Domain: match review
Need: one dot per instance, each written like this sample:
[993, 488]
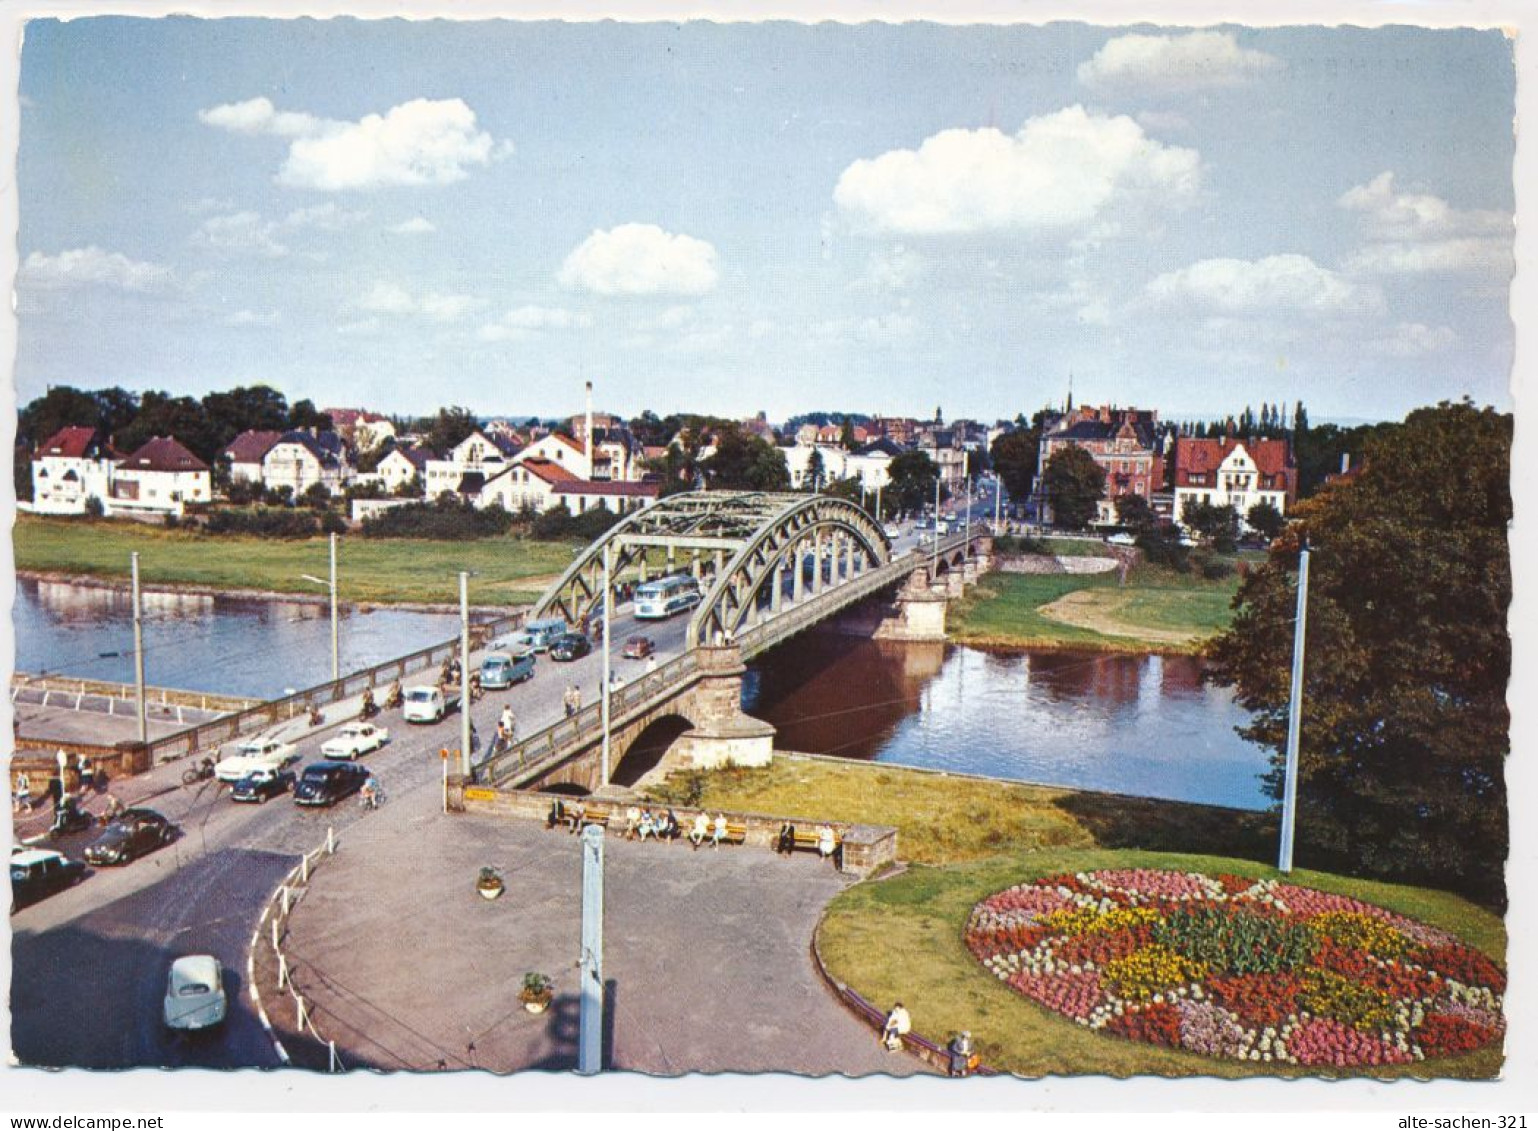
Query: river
[1136, 724]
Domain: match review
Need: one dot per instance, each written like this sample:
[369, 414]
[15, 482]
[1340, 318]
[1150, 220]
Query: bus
[660, 599]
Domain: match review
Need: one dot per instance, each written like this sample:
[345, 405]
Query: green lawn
[1157, 610]
[900, 939]
[508, 570]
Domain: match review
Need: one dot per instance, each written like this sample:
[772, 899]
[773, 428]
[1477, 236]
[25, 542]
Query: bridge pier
[920, 611]
[722, 735]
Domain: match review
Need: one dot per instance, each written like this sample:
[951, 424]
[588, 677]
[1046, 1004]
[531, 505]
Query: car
[1122, 540]
[892, 530]
[503, 669]
[538, 635]
[37, 873]
[572, 646]
[259, 785]
[355, 739]
[194, 993]
[426, 704]
[326, 783]
[638, 648]
[258, 754]
[131, 834]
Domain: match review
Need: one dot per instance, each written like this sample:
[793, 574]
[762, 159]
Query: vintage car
[638, 648]
[259, 785]
[503, 669]
[355, 739]
[194, 993]
[258, 754]
[133, 833]
[37, 873]
[326, 783]
[572, 646]
[424, 704]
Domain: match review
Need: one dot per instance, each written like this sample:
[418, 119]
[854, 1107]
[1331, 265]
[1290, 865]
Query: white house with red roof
[562, 450]
[159, 478]
[360, 428]
[582, 495]
[300, 459]
[1233, 472]
[246, 452]
[401, 465]
[70, 467]
[469, 464]
[531, 482]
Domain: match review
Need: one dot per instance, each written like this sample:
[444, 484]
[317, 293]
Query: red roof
[610, 487]
[569, 442]
[163, 453]
[251, 446]
[71, 443]
[1272, 457]
[548, 470]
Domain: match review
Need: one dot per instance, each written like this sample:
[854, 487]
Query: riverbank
[394, 572]
[1156, 610]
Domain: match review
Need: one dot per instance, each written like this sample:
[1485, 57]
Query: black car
[131, 835]
[37, 873]
[326, 783]
[259, 785]
[572, 646]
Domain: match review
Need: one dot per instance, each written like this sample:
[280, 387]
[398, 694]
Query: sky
[778, 217]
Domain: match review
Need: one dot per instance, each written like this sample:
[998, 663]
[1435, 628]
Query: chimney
[589, 434]
[1345, 462]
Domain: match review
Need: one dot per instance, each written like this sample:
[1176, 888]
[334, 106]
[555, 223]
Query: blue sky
[731, 218]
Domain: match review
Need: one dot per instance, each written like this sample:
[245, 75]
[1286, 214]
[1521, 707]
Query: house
[868, 465]
[1233, 472]
[159, 478]
[620, 498]
[402, 465]
[71, 467]
[363, 430]
[563, 451]
[529, 483]
[1125, 442]
[299, 460]
[246, 452]
[477, 454]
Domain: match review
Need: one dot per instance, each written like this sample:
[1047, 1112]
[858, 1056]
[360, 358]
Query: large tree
[744, 462]
[911, 485]
[1405, 725]
[1014, 458]
[1074, 483]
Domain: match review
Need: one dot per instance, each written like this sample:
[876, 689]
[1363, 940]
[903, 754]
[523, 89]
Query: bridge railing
[550, 744]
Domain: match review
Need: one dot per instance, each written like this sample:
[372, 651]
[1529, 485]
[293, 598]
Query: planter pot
[490, 892]
[536, 1006]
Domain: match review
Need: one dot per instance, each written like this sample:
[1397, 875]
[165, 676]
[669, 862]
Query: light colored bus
[660, 599]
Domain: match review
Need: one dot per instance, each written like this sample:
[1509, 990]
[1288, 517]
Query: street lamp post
[144, 735]
[608, 598]
[1294, 716]
[934, 546]
[336, 651]
[464, 672]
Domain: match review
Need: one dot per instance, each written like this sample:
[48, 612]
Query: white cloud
[388, 298]
[327, 217]
[393, 299]
[525, 322]
[91, 266]
[1173, 64]
[640, 259]
[241, 233]
[1275, 284]
[421, 142]
[253, 318]
[416, 226]
[1415, 233]
[1165, 122]
[870, 330]
[207, 204]
[1060, 171]
[447, 308]
[1412, 339]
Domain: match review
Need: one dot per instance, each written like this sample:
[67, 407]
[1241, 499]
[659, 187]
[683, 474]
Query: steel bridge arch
[744, 535]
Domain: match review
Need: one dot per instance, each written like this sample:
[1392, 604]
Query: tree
[1264, 519]
[304, 414]
[815, 472]
[450, 428]
[912, 486]
[1133, 512]
[1074, 483]
[1217, 526]
[846, 435]
[744, 462]
[1014, 458]
[161, 414]
[238, 410]
[1405, 723]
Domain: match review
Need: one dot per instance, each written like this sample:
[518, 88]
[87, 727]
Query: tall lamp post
[144, 734]
[336, 651]
[608, 600]
[1294, 715]
[464, 672]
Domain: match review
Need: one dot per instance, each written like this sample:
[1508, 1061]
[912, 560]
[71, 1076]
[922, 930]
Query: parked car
[892, 530]
[1122, 540]
[326, 783]
[503, 669]
[259, 785]
[355, 739]
[638, 648]
[426, 704]
[572, 646]
[133, 833]
[37, 873]
[194, 993]
[258, 754]
[540, 634]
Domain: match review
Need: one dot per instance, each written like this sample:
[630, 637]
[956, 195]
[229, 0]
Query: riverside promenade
[707, 953]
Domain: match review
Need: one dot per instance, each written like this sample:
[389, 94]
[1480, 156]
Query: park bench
[808, 839]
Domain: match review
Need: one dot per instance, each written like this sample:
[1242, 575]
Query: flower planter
[537, 1006]
[489, 891]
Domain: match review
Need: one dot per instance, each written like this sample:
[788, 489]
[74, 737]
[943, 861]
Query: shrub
[94, 507]
[264, 523]
[447, 518]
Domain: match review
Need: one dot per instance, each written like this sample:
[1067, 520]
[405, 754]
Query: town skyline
[972, 216]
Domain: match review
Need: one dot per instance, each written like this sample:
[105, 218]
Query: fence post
[282, 971]
[303, 1015]
[275, 934]
[330, 840]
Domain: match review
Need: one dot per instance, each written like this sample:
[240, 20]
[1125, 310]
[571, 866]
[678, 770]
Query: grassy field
[901, 939]
[965, 838]
[1157, 610]
[396, 570]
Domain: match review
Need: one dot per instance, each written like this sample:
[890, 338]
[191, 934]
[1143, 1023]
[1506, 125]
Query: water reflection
[1144, 725]
[234, 645]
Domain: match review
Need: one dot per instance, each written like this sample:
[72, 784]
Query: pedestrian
[509, 723]
[826, 842]
[898, 1024]
[23, 801]
[786, 841]
[962, 1057]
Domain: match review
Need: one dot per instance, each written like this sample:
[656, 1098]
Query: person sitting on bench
[898, 1023]
[576, 815]
[648, 824]
[699, 830]
[718, 830]
[786, 841]
[826, 844]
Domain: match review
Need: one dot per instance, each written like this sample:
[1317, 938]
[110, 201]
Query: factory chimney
[588, 436]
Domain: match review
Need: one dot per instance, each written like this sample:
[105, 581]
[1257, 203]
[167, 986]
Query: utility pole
[590, 969]
[464, 672]
[934, 547]
[336, 651]
[608, 584]
[998, 498]
[144, 732]
[1294, 715]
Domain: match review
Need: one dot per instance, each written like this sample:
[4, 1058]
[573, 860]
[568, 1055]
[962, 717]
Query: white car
[355, 739]
[194, 993]
[1122, 540]
[428, 704]
[258, 754]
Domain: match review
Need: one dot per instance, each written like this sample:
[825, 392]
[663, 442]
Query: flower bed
[1239, 969]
